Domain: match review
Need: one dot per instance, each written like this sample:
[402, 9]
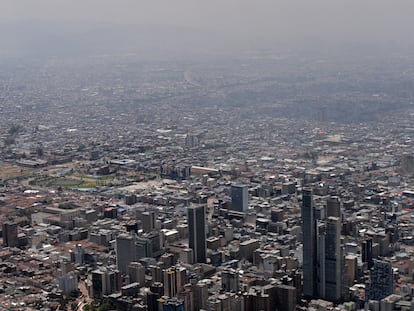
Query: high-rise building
[125, 251]
[366, 252]
[323, 261]
[173, 304]
[286, 297]
[381, 282]
[197, 232]
[155, 293]
[200, 295]
[191, 140]
[187, 256]
[136, 273]
[351, 262]
[320, 265]
[68, 282]
[333, 207]
[10, 234]
[181, 278]
[170, 282]
[148, 221]
[79, 254]
[130, 247]
[309, 244]
[98, 284]
[239, 198]
[247, 248]
[148, 245]
[174, 280]
[187, 295]
[230, 280]
[344, 271]
[105, 282]
[407, 164]
[156, 273]
[333, 260]
[254, 300]
[130, 199]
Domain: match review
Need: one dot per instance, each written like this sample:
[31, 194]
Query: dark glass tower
[333, 281]
[367, 252]
[10, 234]
[323, 261]
[309, 244]
[239, 198]
[333, 207]
[197, 232]
[382, 281]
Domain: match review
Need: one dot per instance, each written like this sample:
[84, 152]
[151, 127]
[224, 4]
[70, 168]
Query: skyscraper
[333, 280]
[239, 198]
[170, 282]
[79, 254]
[197, 232]
[309, 244]
[230, 280]
[125, 251]
[136, 272]
[320, 265]
[333, 207]
[10, 234]
[322, 255]
[130, 247]
[382, 281]
[366, 252]
[148, 221]
[200, 295]
[105, 282]
[174, 280]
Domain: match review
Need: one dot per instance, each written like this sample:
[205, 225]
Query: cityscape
[263, 179]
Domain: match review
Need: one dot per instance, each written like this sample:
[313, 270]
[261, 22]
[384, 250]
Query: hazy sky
[308, 22]
[297, 17]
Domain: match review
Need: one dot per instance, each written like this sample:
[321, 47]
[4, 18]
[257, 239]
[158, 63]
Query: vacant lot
[11, 171]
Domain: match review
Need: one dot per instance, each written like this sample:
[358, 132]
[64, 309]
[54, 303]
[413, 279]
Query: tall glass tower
[309, 244]
[239, 198]
[197, 232]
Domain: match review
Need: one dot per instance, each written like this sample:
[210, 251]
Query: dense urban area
[261, 181]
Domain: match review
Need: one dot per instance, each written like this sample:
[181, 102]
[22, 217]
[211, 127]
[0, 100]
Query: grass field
[72, 181]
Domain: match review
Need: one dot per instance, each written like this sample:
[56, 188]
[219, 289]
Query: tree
[105, 306]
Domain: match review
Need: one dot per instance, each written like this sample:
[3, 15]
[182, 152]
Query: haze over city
[212, 155]
[318, 25]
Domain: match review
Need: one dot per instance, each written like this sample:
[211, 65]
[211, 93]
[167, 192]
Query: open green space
[69, 182]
